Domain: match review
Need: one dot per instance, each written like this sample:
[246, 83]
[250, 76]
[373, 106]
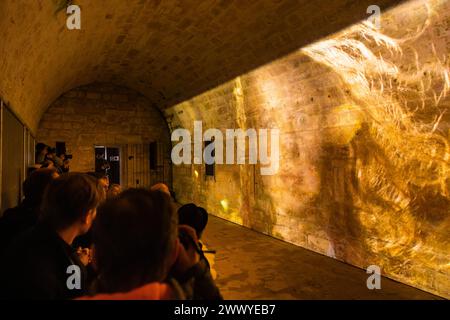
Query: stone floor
[251, 265]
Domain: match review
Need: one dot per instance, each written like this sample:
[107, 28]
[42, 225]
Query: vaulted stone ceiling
[168, 50]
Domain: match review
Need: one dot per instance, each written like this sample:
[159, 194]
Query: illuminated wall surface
[364, 169]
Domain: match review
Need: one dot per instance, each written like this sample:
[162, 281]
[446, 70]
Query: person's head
[114, 190]
[51, 153]
[70, 201]
[102, 178]
[66, 163]
[34, 186]
[135, 239]
[41, 148]
[58, 162]
[160, 187]
[193, 216]
[104, 182]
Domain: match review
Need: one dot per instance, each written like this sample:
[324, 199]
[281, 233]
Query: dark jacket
[198, 284]
[35, 266]
[15, 221]
[195, 284]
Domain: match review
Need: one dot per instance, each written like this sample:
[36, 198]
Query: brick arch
[110, 115]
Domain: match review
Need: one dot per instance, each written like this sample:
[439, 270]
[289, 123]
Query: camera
[187, 241]
[69, 156]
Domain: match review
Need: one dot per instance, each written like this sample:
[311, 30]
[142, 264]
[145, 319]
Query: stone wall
[102, 114]
[168, 50]
[364, 164]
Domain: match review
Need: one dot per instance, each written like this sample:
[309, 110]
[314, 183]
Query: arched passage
[115, 117]
[363, 113]
[167, 50]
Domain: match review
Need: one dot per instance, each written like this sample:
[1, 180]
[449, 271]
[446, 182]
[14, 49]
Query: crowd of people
[74, 236]
[48, 157]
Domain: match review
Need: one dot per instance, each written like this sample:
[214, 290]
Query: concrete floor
[251, 265]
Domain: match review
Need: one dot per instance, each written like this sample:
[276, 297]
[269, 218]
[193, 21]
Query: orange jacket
[151, 291]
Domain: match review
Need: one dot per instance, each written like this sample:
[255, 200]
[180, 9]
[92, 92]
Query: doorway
[107, 161]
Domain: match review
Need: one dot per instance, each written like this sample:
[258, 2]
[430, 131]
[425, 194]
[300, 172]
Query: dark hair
[69, 197]
[40, 147]
[34, 186]
[193, 216]
[134, 235]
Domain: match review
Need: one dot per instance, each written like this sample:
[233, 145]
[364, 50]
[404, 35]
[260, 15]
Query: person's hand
[187, 256]
[85, 255]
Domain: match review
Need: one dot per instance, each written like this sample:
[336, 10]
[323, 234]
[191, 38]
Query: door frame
[118, 146]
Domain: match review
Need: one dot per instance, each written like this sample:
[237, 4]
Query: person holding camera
[35, 265]
[197, 218]
[140, 251]
[41, 153]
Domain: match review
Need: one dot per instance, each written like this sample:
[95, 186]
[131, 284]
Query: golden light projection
[231, 214]
[402, 160]
[224, 204]
[343, 122]
[364, 128]
[242, 214]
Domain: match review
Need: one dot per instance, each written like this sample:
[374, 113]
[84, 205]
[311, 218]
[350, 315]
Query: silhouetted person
[85, 241]
[41, 152]
[59, 159]
[102, 178]
[193, 216]
[137, 248]
[66, 166]
[197, 218]
[114, 190]
[36, 263]
[17, 220]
